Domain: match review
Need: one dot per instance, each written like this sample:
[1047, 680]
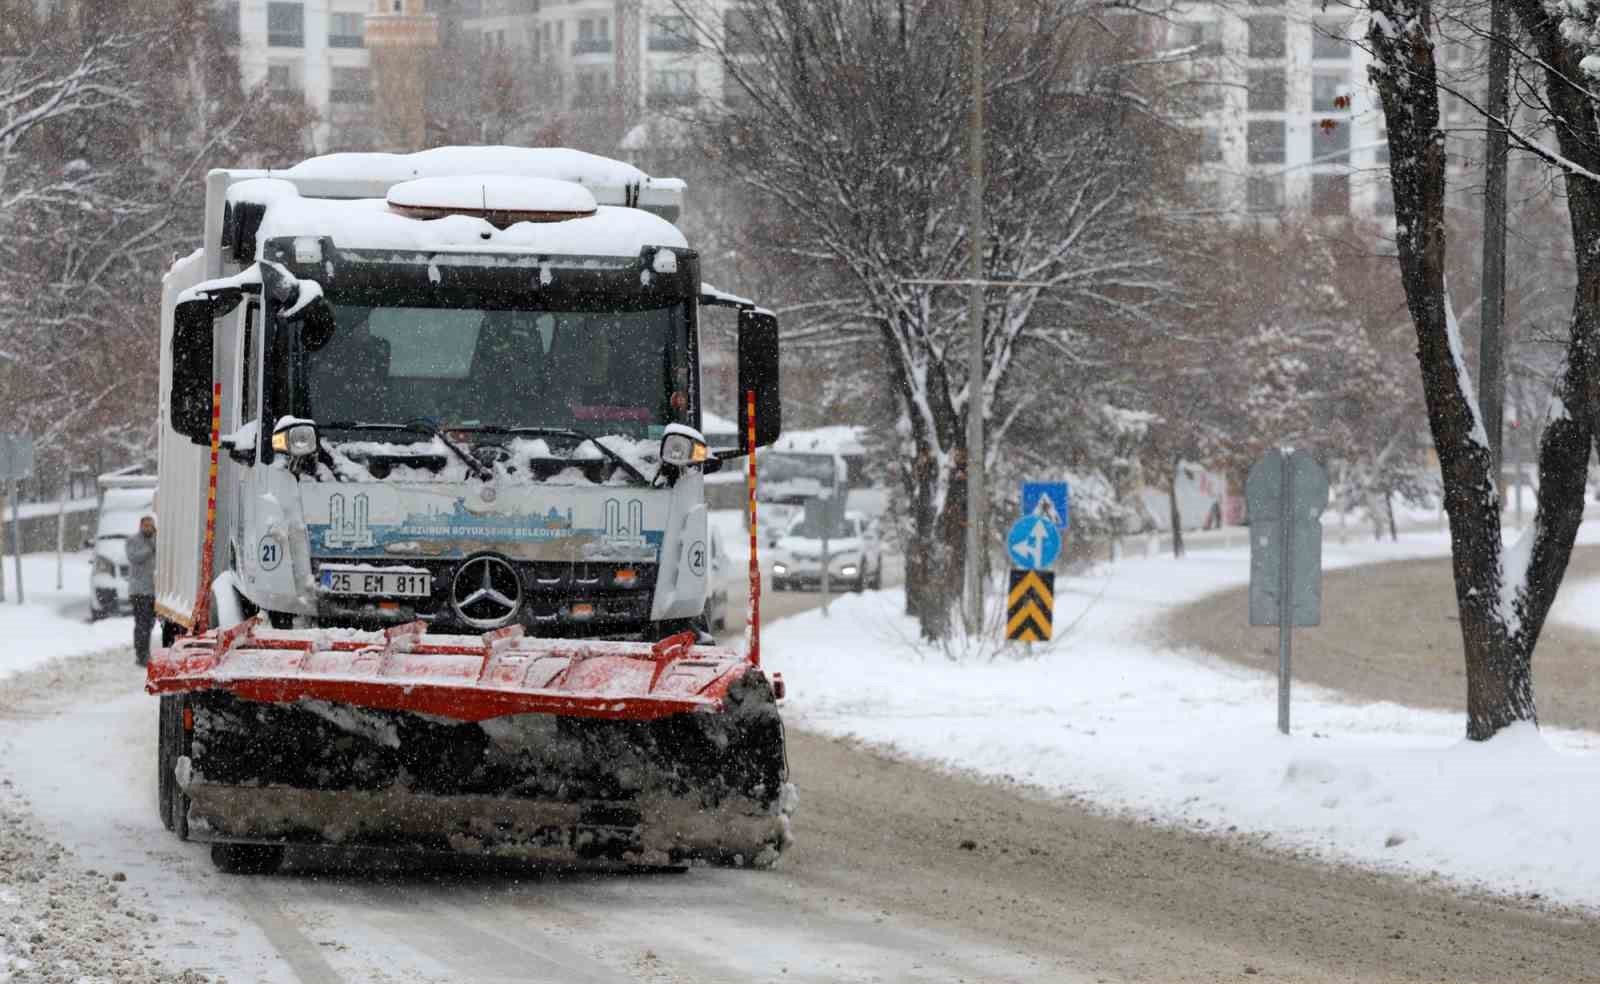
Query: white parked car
[855, 555]
[120, 510]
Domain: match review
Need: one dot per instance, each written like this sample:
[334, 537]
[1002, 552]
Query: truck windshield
[602, 372]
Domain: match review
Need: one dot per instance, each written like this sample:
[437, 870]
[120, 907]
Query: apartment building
[1285, 116]
[316, 48]
[631, 58]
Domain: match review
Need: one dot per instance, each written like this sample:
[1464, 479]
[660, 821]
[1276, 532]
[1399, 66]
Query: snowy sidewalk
[53, 623]
[1185, 738]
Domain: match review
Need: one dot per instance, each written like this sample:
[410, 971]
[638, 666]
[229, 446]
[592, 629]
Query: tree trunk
[1388, 507]
[1176, 514]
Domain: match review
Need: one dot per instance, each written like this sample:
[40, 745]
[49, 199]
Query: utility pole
[1491, 346]
[975, 372]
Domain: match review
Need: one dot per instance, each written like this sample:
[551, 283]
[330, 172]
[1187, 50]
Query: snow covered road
[87, 778]
[902, 872]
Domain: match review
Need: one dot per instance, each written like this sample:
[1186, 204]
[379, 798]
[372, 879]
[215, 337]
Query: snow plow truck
[432, 524]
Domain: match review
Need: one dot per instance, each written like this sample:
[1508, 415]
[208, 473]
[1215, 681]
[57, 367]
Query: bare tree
[847, 122]
[1503, 595]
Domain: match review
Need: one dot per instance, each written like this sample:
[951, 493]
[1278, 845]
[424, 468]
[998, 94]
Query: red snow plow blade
[467, 678]
[538, 748]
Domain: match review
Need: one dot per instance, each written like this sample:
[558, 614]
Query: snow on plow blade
[554, 750]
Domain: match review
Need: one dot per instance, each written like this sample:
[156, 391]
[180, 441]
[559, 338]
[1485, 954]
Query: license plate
[405, 584]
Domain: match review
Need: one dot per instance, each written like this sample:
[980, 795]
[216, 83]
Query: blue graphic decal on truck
[550, 534]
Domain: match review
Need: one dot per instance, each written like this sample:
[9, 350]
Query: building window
[738, 31]
[345, 30]
[226, 18]
[592, 88]
[1328, 40]
[1208, 96]
[1266, 89]
[670, 34]
[1326, 90]
[734, 96]
[350, 85]
[1210, 145]
[671, 87]
[590, 40]
[1266, 37]
[280, 80]
[1265, 141]
[286, 25]
[1330, 144]
[1330, 194]
[1265, 193]
[1205, 36]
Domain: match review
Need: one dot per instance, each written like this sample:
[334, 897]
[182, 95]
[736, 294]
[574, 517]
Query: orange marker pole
[202, 601]
[753, 631]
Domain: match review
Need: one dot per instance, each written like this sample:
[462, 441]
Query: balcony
[670, 99]
[669, 42]
[346, 41]
[286, 39]
[591, 46]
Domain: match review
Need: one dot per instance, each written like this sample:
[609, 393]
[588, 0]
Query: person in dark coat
[142, 586]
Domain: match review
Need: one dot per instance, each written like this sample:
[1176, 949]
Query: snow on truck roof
[371, 175]
[373, 223]
[427, 198]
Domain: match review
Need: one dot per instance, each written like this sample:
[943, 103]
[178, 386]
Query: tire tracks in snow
[303, 956]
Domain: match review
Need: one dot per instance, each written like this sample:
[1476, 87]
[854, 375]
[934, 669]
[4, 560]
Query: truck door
[244, 408]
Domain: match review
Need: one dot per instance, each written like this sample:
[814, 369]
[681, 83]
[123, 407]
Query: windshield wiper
[420, 425]
[566, 432]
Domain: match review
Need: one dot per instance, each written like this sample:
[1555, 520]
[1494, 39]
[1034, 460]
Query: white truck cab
[460, 386]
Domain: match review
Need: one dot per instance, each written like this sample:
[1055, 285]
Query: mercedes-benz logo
[486, 592]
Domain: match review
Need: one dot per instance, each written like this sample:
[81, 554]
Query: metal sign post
[1286, 493]
[16, 535]
[16, 463]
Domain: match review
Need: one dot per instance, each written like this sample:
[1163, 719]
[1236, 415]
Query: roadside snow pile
[53, 623]
[1109, 715]
[61, 922]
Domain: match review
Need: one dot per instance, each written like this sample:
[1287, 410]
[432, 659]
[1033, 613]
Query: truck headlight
[681, 449]
[780, 568]
[103, 566]
[298, 439]
[848, 570]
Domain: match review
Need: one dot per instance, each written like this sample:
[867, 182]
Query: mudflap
[707, 785]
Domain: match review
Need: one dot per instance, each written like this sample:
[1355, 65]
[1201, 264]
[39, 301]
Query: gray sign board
[1280, 482]
[16, 457]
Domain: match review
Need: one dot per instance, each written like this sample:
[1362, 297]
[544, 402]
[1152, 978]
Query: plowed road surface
[900, 874]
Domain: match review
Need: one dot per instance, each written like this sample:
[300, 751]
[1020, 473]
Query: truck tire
[164, 758]
[246, 859]
[173, 745]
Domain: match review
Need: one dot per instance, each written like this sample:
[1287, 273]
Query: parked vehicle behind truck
[125, 497]
[458, 553]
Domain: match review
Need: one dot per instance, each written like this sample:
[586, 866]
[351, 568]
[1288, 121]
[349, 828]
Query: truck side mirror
[193, 334]
[316, 324]
[758, 372]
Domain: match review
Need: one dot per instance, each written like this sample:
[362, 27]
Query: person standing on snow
[142, 586]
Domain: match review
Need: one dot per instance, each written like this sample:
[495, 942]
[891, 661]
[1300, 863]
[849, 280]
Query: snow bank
[1111, 715]
[53, 623]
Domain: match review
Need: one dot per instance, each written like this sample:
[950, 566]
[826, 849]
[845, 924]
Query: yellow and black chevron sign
[1030, 605]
